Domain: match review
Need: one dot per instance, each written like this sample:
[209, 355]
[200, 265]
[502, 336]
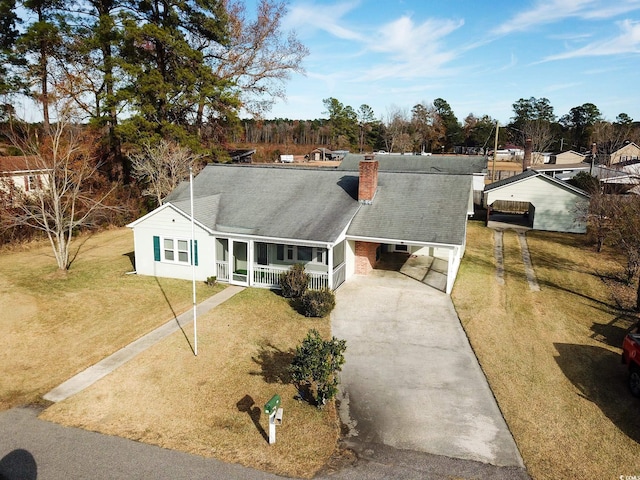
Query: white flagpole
[193, 265]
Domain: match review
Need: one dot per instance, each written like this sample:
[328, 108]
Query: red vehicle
[631, 357]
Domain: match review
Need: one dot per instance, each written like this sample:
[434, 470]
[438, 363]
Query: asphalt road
[33, 449]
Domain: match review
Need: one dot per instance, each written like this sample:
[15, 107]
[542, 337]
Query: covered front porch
[248, 262]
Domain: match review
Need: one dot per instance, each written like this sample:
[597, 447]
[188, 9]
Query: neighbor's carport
[554, 205]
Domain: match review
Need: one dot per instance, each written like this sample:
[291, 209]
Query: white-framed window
[175, 250]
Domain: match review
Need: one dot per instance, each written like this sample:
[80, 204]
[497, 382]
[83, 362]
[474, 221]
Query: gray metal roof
[318, 204]
[515, 178]
[533, 173]
[455, 165]
[416, 207]
[303, 204]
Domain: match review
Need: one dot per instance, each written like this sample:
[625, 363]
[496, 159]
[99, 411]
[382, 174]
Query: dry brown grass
[211, 405]
[56, 324]
[553, 357]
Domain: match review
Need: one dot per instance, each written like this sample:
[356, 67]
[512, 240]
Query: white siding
[555, 206]
[350, 259]
[171, 224]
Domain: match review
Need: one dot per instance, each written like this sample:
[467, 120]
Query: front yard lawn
[552, 357]
[212, 404]
[56, 324]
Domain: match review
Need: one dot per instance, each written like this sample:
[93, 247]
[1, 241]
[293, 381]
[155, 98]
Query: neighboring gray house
[475, 165]
[554, 205]
[454, 165]
[253, 223]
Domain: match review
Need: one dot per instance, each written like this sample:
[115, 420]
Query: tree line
[434, 127]
[141, 71]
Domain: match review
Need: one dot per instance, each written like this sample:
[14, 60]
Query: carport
[433, 264]
[551, 204]
[520, 214]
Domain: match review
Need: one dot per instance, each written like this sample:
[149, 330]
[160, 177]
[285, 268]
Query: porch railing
[270, 277]
[222, 270]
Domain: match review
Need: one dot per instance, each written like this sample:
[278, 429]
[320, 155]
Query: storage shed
[553, 205]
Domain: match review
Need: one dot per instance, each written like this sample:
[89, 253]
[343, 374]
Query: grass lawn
[55, 324]
[211, 405]
[553, 357]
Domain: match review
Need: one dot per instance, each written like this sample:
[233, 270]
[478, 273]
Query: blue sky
[479, 56]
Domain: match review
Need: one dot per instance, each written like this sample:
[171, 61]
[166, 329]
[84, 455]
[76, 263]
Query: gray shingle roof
[462, 165]
[303, 204]
[318, 204]
[416, 207]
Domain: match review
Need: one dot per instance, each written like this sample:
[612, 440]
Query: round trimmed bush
[317, 303]
[294, 282]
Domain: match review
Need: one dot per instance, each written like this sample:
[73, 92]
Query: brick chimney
[526, 163]
[368, 180]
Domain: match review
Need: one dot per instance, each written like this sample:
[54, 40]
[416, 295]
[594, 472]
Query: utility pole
[495, 154]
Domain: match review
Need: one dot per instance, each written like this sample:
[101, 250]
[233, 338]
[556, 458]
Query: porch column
[250, 255]
[455, 257]
[330, 267]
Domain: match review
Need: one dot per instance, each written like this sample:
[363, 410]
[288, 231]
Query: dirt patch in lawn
[212, 404]
[552, 357]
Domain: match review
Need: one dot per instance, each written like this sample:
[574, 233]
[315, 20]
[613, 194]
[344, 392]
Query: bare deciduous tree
[259, 58]
[541, 135]
[162, 166]
[397, 124]
[70, 194]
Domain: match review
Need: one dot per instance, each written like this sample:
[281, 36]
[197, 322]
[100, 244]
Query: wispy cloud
[412, 50]
[308, 17]
[628, 41]
[546, 12]
[561, 86]
[401, 47]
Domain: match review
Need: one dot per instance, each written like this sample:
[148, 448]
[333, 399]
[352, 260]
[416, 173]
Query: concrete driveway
[411, 380]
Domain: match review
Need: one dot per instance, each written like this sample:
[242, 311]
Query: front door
[239, 263]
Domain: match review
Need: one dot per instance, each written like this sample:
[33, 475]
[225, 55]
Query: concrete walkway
[411, 380]
[94, 373]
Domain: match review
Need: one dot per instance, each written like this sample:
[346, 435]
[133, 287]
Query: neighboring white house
[253, 223]
[554, 205]
[22, 173]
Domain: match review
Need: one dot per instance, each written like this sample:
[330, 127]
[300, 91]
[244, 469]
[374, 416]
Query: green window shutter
[194, 250]
[156, 248]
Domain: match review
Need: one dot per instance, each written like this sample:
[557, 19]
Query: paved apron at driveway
[411, 380]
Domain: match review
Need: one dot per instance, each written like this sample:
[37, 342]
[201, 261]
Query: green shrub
[317, 303]
[211, 281]
[294, 282]
[315, 367]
